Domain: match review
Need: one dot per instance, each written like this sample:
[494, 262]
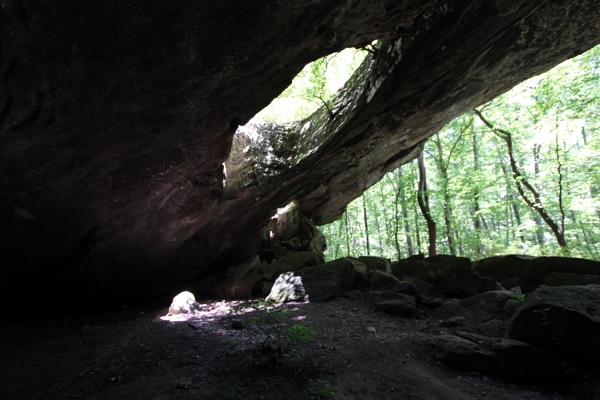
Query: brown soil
[134, 354]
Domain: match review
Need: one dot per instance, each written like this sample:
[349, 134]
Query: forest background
[518, 175]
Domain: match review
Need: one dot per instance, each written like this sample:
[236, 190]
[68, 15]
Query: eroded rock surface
[564, 320]
[116, 119]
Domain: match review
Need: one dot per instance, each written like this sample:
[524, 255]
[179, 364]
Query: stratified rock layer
[116, 119]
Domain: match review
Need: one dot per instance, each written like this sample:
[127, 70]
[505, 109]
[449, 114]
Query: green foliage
[518, 297]
[274, 335]
[323, 392]
[554, 117]
[313, 87]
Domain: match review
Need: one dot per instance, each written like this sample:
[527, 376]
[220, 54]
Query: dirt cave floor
[357, 352]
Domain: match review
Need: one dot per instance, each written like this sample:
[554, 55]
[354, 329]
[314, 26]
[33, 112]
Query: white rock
[183, 303]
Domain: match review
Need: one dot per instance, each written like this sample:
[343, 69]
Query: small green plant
[323, 392]
[273, 334]
[518, 297]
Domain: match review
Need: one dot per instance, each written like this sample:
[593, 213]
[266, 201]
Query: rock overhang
[116, 120]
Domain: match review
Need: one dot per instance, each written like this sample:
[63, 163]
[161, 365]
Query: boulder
[564, 320]
[292, 262]
[511, 306]
[361, 274]
[382, 281]
[451, 280]
[292, 226]
[184, 303]
[375, 264]
[425, 289]
[489, 302]
[563, 279]
[450, 309]
[493, 328]
[431, 303]
[400, 304]
[504, 358]
[530, 272]
[529, 364]
[447, 259]
[466, 355]
[318, 283]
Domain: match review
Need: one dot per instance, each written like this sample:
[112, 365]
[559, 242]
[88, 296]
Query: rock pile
[518, 315]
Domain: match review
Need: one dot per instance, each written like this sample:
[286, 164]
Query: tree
[423, 198]
[523, 184]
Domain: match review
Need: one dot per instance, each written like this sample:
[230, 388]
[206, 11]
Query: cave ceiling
[116, 119]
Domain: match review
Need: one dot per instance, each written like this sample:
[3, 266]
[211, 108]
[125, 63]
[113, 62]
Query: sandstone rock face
[116, 120]
[491, 302]
[451, 280]
[509, 359]
[466, 355]
[564, 320]
[531, 272]
[563, 279]
[360, 272]
[382, 281]
[449, 260]
[425, 289]
[400, 304]
[291, 224]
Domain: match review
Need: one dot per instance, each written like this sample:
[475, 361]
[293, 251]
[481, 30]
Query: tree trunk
[347, 233]
[479, 249]
[511, 200]
[522, 183]
[423, 199]
[402, 195]
[443, 168]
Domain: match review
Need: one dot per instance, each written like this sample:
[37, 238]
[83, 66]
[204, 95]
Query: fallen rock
[290, 223]
[491, 302]
[316, 284]
[504, 358]
[382, 281]
[400, 304]
[183, 303]
[451, 280]
[410, 288]
[425, 289]
[431, 303]
[466, 355]
[511, 306]
[529, 364]
[361, 274]
[564, 320]
[493, 328]
[563, 279]
[447, 259]
[450, 309]
[530, 272]
[375, 264]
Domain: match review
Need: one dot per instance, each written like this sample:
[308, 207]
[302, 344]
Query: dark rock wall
[116, 117]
